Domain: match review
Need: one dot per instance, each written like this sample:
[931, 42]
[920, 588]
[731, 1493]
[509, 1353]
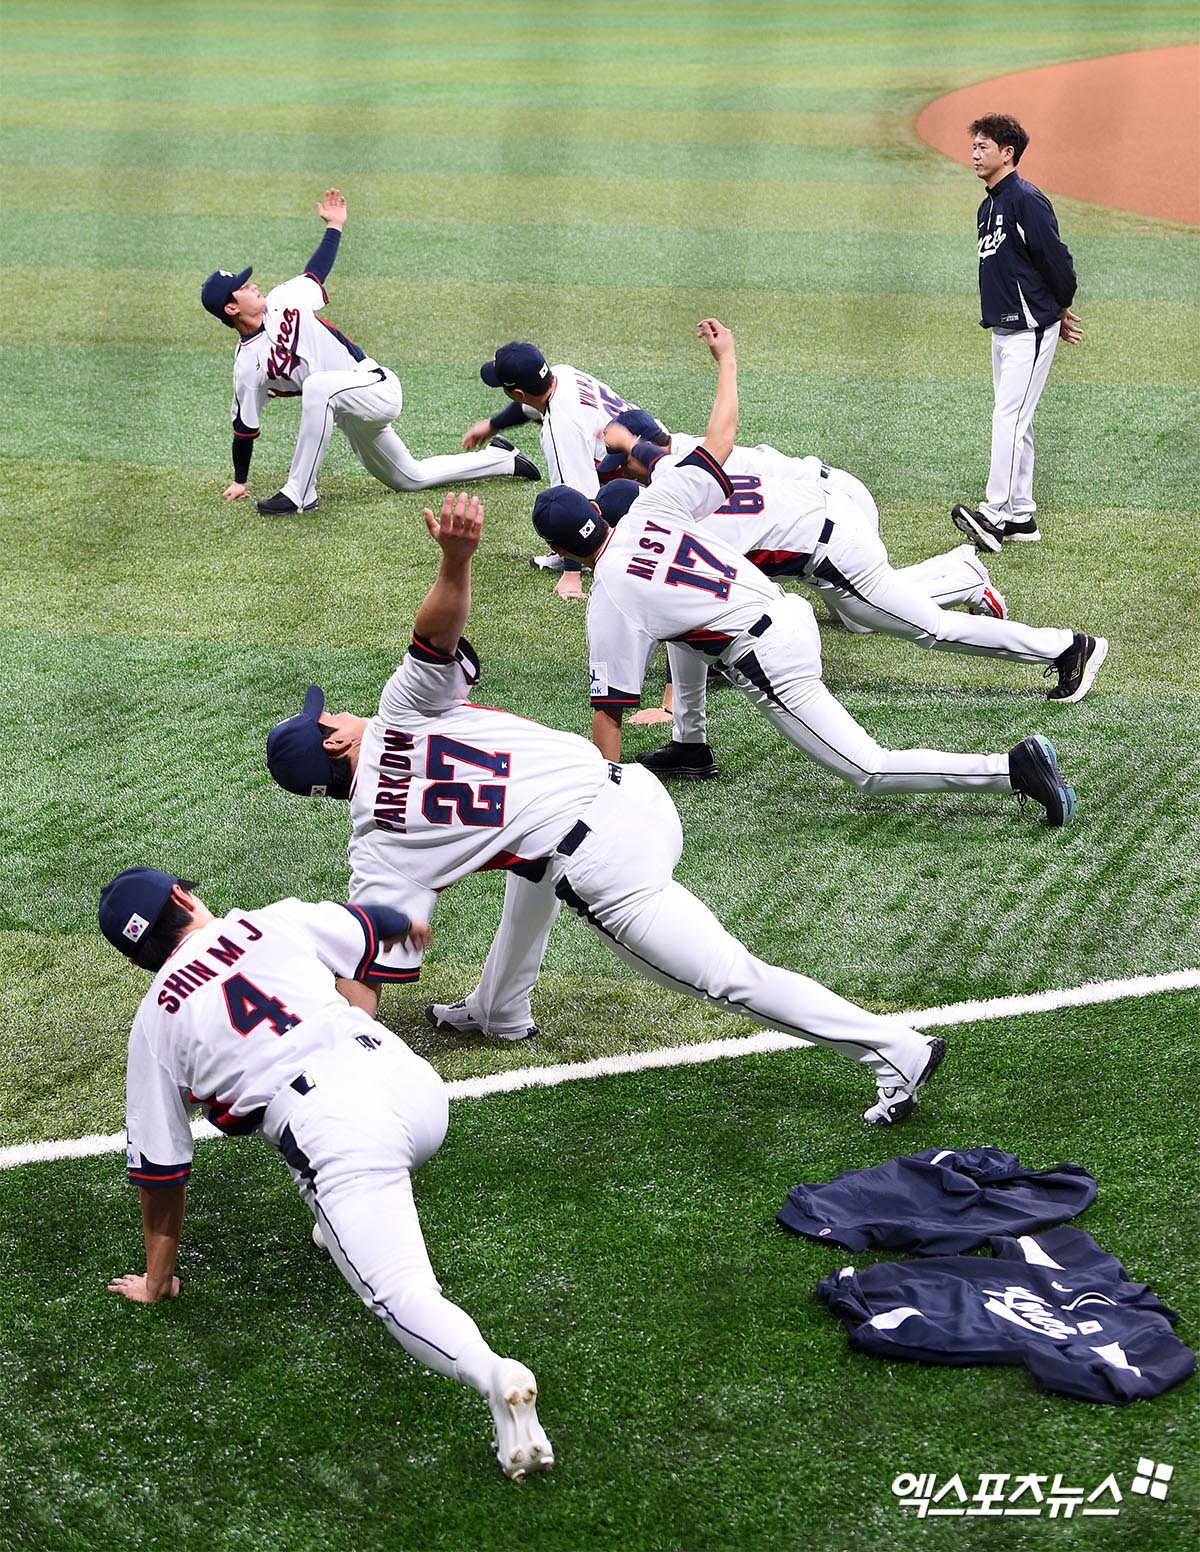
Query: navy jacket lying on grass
[1054, 1302]
[937, 1202]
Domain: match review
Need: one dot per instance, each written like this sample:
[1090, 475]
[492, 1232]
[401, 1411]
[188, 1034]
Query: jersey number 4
[249, 1007]
[447, 798]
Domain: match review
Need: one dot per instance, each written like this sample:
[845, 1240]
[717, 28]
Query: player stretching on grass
[440, 788]
[242, 1016]
[286, 349]
[661, 576]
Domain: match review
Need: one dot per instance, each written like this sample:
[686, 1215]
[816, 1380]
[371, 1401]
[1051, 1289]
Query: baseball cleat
[1034, 773]
[1024, 529]
[897, 1101]
[1077, 667]
[990, 603]
[523, 468]
[519, 1440]
[280, 505]
[985, 534]
[689, 762]
[454, 1016]
[546, 562]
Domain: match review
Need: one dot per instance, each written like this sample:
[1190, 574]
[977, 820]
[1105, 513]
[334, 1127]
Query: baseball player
[660, 576]
[243, 1017]
[440, 788]
[791, 525]
[286, 349]
[571, 408]
[956, 577]
[1026, 287]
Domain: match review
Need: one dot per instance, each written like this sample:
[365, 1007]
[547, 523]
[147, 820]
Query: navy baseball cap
[641, 423]
[616, 498]
[220, 286]
[645, 451]
[296, 754]
[131, 903]
[566, 517]
[517, 365]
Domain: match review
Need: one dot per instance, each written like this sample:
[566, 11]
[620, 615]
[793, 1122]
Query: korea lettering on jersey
[445, 788]
[573, 426]
[661, 577]
[235, 1013]
[292, 343]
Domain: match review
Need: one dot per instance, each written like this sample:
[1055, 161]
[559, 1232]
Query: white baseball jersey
[573, 427]
[775, 513]
[236, 1012]
[292, 343]
[661, 577]
[445, 788]
[761, 459]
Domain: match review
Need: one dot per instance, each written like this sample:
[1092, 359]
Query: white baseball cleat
[519, 1440]
[896, 1102]
[455, 1017]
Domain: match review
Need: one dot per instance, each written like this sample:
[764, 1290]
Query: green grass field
[595, 178]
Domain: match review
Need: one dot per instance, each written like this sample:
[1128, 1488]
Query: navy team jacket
[1026, 274]
[938, 1202]
[1055, 1303]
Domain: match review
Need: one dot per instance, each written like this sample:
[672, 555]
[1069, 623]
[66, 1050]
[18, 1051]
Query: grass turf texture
[697, 1393]
[569, 179]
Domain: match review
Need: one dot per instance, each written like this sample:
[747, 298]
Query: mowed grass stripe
[499, 252]
[422, 125]
[353, 153]
[645, 328]
[947, 204]
[609, 46]
[910, 439]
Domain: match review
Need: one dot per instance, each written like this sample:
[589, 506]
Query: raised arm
[723, 422]
[332, 210]
[457, 529]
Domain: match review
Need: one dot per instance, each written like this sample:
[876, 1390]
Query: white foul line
[685, 1055]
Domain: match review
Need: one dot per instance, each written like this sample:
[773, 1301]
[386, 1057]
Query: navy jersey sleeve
[321, 263]
[1047, 251]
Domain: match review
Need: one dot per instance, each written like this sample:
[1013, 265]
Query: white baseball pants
[1020, 365]
[851, 569]
[779, 669]
[617, 876]
[363, 403]
[352, 1129]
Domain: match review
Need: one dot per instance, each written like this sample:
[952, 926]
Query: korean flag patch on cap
[134, 927]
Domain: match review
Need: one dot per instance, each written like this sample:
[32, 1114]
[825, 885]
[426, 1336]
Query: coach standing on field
[1026, 287]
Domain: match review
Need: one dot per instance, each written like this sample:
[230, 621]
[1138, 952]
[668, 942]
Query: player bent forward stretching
[286, 349]
[440, 788]
[245, 1008]
[661, 576]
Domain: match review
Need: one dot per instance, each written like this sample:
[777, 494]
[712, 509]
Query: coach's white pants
[351, 1142]
[1020, 365]
[363, 402]
[619, 880]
